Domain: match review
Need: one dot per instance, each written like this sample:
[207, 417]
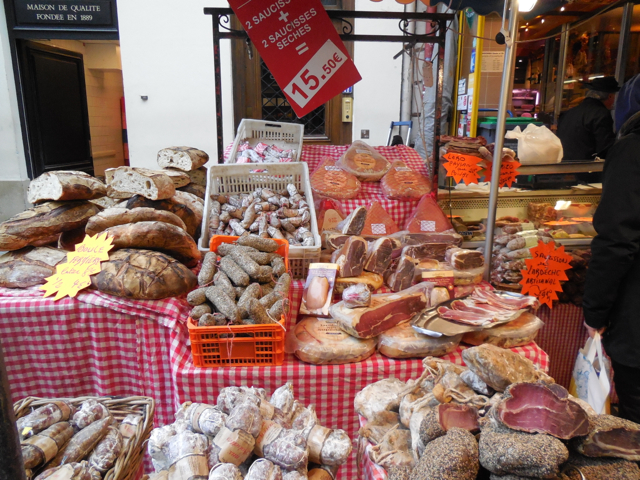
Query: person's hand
[592, 331]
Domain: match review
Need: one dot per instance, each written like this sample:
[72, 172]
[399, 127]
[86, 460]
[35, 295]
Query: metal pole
[442, 39]
[11, 464]
[507, 77]
[218, 80]
[623, 43]
[406, 92]
[562, 68]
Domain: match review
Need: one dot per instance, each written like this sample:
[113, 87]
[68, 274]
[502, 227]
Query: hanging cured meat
[329, 180]
[428, 217]
[378, 221]
[402, 183]
[364, 162]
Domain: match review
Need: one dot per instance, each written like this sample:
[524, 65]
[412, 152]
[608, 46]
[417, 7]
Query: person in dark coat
[587, 130]
[612, 289]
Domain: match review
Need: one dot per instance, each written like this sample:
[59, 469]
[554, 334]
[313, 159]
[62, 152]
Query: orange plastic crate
[239, 345]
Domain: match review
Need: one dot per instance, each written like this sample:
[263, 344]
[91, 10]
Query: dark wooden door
[55, 101]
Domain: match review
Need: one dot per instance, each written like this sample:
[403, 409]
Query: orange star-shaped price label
[74, 275]
[545, 271]
[508, 171]
[463, 168]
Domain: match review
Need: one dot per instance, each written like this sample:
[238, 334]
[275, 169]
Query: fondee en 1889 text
[47, 7]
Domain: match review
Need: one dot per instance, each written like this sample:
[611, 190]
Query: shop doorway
[57, 116]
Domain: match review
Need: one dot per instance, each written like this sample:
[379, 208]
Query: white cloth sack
[591, 377]
[537, 145]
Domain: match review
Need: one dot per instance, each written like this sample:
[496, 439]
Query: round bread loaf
[187, 212]
[120, 216]
[29, 266]
[44, 222]
[65, 185]
[160, 236]
[321, 342]
[143, 274]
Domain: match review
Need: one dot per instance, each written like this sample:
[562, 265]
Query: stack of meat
[247, 435]
[539, 213]
[262, 153]
[573, 289]
[500, 414]
[60, 441]
[463, 145]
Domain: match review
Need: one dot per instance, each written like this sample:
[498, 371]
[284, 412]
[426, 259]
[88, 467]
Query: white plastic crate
[286, 136]
[245, 178]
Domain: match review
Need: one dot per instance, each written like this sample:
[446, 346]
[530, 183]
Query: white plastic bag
[590, 380]
[537, 145]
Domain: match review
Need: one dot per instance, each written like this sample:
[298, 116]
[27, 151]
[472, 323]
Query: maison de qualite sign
[64, 12]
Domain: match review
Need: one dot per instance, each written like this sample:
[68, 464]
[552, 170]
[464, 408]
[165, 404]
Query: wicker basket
[128, 463]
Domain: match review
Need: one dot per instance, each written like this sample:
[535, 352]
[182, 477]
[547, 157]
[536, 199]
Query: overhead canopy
[485, 7]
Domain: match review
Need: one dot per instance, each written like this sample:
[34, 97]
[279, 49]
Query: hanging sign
[301, 47]
[73, 276]
[508, 172]
[463, 168]
[544, 272]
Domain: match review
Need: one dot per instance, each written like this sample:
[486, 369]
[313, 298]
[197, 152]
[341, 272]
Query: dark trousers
[627, 381]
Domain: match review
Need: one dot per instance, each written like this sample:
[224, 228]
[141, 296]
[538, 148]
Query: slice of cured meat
[504, 301]
[378, 221]
[402, 183]
[452, 415]
[469, 318]
[354, 223]
[536, 408]
[350, 258]
[426, 251]
[386, 311]
[379, 256]
[499, 367]
[364, 162]
[611, 436]
[428, 217]
[329, 180]
[403, 276]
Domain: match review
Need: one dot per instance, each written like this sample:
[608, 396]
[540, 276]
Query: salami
[329, 180]
[364, 162]
[402, 183]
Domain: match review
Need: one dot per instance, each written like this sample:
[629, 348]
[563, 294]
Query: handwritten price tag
[544, 272]
[73, 276]
[463, 168]
[508, 171]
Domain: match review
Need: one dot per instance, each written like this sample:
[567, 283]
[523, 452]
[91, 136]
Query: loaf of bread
[65, 185]
[194, 189]
[182, 158]
[152, 184]
[68, 240]
[29, 266]
[105, 202]
[160, 236]
[120, 216]
[117, 195]
[44, 222]
[188, 213]
[199, 176]
[180, 178]
[143, 274]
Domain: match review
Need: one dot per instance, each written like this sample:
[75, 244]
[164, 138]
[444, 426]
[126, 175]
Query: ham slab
[611, 436]
[536, 408]
[452, 415]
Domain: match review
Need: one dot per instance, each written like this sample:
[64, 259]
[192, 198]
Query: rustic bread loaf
[194, 189]
[182, 158]
[120, 216]
[65, 185]
[68, 240]
[105, 202]
[192, 201]
[29, 266]
[180, 178]
[143, 274]
[44, 222]
[199, 176]
[117, 195]
[159, 236]
[186, 212]
[152, 184]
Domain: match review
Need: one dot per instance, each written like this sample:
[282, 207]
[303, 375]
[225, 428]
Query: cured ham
[611, 436]
[428, 217]
[508, 302]
[378, 221]
[402, 183]
[537, 408]
[453, 415]
[329, 180]
[471, 312]
[364, 162]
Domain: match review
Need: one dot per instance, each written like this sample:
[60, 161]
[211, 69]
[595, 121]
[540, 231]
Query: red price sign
[544, 272]
[301, 47]
[463, 168]
[508, 171]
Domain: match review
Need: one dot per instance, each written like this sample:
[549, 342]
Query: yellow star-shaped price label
[74, 275]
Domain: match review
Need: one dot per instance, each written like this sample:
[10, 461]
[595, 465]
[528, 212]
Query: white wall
[377, 96]
[167, 55]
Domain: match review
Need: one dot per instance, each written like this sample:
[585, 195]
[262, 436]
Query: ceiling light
[526, 5]
[542, 21]
[562, 9]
